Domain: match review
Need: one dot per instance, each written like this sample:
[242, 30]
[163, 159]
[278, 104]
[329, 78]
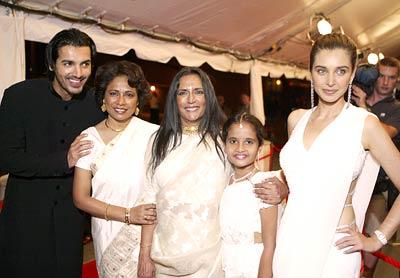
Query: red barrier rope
[387, 259]
[273, 150]
[276, 148]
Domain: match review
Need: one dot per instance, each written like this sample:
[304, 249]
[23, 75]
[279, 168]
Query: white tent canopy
[41, 29]
[254, 29]
[255, 36]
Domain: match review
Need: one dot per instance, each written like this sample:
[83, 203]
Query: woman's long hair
[169, 135]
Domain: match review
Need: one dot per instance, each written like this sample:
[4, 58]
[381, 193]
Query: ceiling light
[324, 27]
[372, 58]
[319, 25]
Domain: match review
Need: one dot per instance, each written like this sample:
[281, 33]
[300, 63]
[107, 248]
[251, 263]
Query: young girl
[248, 226]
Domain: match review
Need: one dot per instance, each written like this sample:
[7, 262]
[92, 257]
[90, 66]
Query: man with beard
[384, 105]
[40, 229]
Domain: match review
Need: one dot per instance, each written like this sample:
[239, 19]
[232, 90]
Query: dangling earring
[103, 107]
[312, 95]
[349, 95]
[137, 111]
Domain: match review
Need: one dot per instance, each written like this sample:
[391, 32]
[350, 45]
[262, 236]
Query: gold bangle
[127, 216]
[105, 213]
[145, 246]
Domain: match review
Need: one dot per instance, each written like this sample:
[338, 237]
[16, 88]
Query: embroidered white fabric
[187, 188]
[240, 219]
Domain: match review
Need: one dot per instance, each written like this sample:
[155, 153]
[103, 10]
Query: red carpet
[89, 270]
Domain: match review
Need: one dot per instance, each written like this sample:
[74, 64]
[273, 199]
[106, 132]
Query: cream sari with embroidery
[187, 188]
[117, 169]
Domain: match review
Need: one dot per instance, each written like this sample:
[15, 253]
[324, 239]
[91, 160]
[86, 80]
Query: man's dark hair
[72, 37]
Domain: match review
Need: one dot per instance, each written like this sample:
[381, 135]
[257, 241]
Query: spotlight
[372, 58]
[324, 27]
[319, 25]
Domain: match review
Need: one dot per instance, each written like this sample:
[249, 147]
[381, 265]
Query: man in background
[384, 105]
[244, 103]
[224, 106]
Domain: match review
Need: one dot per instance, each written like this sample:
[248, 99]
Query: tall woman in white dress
[331, 173]
[108, 181]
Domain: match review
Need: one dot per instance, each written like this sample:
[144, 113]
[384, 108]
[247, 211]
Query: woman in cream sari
[186, 177]
[113, 169]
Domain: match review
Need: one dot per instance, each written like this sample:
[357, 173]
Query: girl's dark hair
[331, 42]
[247, 118]
[169, 135]
[73, 37]
[107, 72]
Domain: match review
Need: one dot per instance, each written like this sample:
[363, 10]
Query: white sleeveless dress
[319, 180]
[240, 219]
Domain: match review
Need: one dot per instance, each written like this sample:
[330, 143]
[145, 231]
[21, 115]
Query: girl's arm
[143, 214]
[378, 142]
[268, 229]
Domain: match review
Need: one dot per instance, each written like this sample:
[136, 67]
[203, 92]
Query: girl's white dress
[240, 219]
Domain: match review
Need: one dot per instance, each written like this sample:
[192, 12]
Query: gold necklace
[189, 130]
[113, 129]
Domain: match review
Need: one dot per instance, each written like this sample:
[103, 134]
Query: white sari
[117, 170]
[187, 188]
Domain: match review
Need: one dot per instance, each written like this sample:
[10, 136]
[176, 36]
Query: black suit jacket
[40, 229]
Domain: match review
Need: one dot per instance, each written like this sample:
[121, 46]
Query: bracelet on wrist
[106, 211]
[145, 245]
[381, 237]
[127, 216]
